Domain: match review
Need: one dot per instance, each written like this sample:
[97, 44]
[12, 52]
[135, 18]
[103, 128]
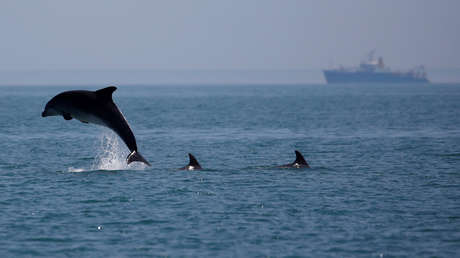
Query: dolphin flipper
[136, 156]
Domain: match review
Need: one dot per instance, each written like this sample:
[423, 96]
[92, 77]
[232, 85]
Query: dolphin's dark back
[117, 122]
[114, 118]
[100, 103]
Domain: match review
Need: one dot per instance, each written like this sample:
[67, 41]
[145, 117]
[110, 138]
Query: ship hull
[337, 76]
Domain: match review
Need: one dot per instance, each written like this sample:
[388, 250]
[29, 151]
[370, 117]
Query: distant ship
[374, 71]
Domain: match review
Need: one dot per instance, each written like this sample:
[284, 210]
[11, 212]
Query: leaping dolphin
[96, 107]
[298, 163]
[193, 164]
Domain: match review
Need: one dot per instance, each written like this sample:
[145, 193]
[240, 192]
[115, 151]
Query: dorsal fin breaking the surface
[299, 159]
[106, 93]
[193, 162]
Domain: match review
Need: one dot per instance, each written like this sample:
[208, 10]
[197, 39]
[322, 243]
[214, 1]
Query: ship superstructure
[374, 71]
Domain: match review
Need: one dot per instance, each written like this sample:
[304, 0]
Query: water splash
[112, 154]
[109, 154]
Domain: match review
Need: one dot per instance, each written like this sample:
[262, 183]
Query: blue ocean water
[384, 182]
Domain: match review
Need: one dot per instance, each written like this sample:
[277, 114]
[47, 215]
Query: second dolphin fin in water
[300, 160]
[193, 163]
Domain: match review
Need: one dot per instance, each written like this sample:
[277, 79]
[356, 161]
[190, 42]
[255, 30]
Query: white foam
[72, 169]
[111, 154]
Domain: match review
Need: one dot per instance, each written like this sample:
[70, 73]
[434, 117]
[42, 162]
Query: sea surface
[384, 178]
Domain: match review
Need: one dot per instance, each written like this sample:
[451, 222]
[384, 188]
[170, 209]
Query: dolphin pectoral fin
[136, 156]
[67, 116]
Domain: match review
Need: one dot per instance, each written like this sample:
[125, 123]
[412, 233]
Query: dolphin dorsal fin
[299, 159]
[106, 93]
[193, 162]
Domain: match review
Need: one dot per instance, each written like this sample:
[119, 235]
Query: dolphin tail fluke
[136, 156]
[299, 159]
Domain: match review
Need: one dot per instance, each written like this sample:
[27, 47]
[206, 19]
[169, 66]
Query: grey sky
[233, 34]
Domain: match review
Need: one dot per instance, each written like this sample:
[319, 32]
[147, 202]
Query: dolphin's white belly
[88, 118]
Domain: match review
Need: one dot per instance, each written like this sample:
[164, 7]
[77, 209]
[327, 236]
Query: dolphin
[298, 163]
[96, 107]
[193, 164]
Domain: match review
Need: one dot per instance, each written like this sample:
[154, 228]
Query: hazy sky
[232, 34]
